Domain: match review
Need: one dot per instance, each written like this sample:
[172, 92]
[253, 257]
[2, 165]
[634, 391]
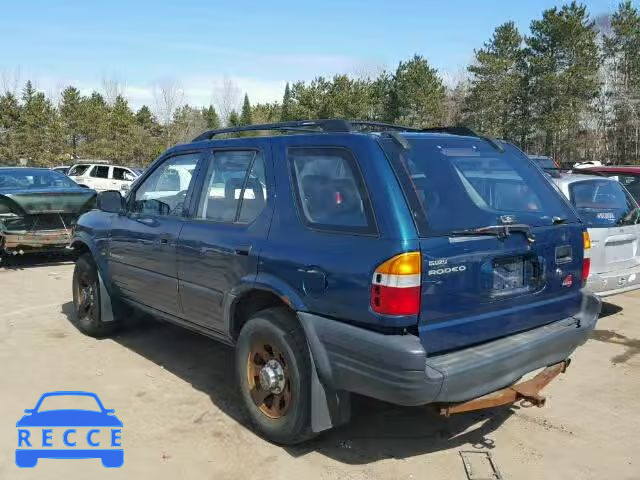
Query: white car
[101, 177]
[612, 218]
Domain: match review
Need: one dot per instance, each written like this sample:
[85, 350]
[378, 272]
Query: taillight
[395, 288]
[586, 261]
[586, 266]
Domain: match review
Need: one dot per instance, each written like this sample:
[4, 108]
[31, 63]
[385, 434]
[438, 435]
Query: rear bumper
[36, 240]
[613, 283]
[394, 368]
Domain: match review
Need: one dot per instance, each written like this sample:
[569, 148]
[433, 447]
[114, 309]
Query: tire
[275, 334]
[86, 300]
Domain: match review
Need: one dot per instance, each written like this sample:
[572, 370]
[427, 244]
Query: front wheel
[86, 299]
[273, 370]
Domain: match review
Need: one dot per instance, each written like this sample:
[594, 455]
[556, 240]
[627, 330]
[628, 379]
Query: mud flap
[329, 408]
[106, 310]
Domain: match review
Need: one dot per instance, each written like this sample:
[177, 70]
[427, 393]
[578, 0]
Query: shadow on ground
[609, 309]
[23, 262]
[377, 430]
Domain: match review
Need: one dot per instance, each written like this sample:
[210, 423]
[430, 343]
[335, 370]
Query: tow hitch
[528, 392]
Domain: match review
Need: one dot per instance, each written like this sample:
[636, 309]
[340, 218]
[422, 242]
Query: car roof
[24, 169]
[618, 169]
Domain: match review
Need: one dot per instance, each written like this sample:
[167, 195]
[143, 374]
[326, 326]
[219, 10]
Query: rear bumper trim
[395, 368]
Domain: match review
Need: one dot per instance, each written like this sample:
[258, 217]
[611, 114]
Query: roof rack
[328, 125]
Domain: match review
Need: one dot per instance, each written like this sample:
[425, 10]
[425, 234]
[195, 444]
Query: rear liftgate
[527, 392]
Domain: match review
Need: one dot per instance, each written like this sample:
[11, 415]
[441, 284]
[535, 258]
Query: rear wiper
[500, 231]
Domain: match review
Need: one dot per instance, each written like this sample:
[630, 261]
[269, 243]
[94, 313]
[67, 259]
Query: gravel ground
[182, 415]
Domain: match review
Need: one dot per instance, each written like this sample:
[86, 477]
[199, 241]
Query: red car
[627, 175]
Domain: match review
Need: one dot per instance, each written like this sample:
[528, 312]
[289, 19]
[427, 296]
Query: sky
[258, 45]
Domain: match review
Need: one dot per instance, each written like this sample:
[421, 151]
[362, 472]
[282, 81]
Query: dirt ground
[182, 416]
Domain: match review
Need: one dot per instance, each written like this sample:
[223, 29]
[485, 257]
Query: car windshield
[603, 203]
[34, 179]
[69, 402]
[461, 183]
[545, 163]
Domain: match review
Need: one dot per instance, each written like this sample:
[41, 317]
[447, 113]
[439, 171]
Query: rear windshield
[461, 183]
[34, 179]
[603, 203]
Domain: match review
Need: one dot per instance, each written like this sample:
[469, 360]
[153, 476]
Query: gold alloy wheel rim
[268, 379]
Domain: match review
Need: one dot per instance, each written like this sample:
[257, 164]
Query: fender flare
[98, 257]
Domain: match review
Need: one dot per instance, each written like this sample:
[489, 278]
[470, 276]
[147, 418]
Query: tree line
[568, 88]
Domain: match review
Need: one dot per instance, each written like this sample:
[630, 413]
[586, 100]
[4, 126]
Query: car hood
[69, 418]
[47, 200]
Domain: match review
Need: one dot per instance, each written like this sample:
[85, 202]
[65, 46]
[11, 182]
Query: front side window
[603, 203]
[329, 190]
[100, 171]
[235, 187]
[78, 170]
[165, 190]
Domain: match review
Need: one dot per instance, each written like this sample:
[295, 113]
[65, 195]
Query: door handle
[146, 221]
[242, 250]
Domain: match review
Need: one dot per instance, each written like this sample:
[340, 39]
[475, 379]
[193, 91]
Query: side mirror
[110, 201]
[129, 177]
[28, 410]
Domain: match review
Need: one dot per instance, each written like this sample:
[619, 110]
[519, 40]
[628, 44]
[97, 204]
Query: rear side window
[461, 183]
[121, 174]
[100, 171]
[329, 190]
[235, 188]
[603, 203]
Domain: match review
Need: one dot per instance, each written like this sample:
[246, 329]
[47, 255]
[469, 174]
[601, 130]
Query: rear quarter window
[329, 190]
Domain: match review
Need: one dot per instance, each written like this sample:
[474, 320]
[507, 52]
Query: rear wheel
[272, 367]
[86, 299]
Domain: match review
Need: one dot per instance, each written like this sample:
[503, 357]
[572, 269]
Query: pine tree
[144, 118]
[563, 61]
[287, 105]
[245, 115]
[622, 48]
[234, 119]
[492, 102]
[418, 93]
[9, 123]
[211, 118]
[70, 113]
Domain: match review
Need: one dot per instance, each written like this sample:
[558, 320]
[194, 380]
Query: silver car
[611, 216]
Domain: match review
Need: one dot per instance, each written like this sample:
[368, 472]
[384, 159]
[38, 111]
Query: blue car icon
[36, 428]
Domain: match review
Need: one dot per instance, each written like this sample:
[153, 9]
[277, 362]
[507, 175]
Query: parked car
[611, 215]
[546, 163]
[627, 175]
[102, 177]
[63, 169]
[38, 209]
[412, 267]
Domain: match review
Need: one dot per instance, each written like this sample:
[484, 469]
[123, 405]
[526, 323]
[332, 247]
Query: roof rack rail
[466, 132]
[327, 125]
[330, 125]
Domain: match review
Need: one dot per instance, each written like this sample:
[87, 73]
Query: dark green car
[38, 209]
